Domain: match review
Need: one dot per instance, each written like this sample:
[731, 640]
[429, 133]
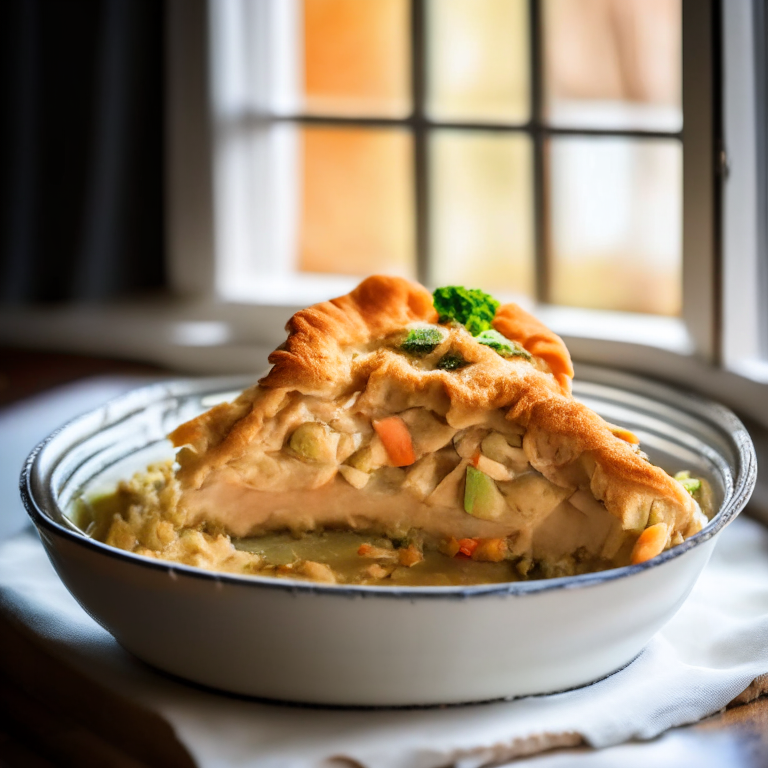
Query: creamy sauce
[339, 550]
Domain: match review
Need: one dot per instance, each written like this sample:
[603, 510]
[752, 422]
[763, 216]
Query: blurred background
[81, 156]
[537, 180]
[529, 148]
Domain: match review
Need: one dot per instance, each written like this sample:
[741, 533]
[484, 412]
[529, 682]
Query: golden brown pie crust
[564, 440]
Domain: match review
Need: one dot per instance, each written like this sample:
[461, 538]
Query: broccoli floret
[504, 346]
[451, 361]
[421, 341]
[468, 306]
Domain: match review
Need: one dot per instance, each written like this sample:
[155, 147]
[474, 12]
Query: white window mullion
[743, 225]
[701, 284]
[256, 75]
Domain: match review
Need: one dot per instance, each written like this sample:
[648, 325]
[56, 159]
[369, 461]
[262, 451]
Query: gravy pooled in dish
[404, 438]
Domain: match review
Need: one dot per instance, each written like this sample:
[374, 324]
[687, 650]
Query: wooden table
[50, 717]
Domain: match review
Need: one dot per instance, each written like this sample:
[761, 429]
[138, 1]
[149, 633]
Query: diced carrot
[475, 459]
[490, 550]
[365, 550]
[450, 547]
[467, 546]
[409, 556]
[650, 542]
[394, 433]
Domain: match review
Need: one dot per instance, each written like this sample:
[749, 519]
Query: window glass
[616, 223]
[613, 63]
[481, 210]
[478, 57]
[356, 201]
[357, 57]
[333, 196]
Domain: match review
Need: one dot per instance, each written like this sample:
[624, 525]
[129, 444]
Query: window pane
[613, 63]
[357, 201]
[357, 57]
[616, 213]
[481, 210]
[478, 60]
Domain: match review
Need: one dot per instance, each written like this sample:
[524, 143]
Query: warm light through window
[357, 57]
[357, 201]
[543, 158]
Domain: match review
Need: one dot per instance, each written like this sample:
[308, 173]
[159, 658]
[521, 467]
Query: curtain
[81, 149]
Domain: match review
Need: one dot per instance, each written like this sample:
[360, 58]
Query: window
[532, 147]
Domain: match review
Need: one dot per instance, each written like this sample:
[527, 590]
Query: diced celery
[481, 496]
[691, 484]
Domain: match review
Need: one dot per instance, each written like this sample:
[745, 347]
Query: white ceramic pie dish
[377, 646]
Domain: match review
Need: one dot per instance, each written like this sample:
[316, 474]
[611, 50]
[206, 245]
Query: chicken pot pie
[404, 437]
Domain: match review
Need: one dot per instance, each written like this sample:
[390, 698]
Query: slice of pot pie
[433, 423]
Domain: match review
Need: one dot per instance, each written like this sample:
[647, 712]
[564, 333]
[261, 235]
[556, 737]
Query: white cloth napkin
[710, 652]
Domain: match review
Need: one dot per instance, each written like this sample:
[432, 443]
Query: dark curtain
[81, 142]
